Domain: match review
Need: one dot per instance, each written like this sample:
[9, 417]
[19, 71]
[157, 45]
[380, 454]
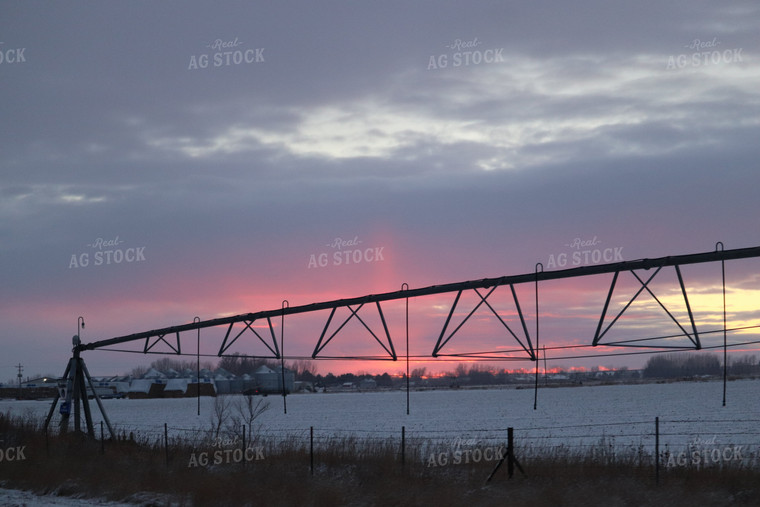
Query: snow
[140, 386]
[690, 415]
[17, 498]
[176, 384]
[570, 416]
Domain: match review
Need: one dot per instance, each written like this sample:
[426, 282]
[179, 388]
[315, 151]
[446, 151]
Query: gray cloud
[242, 171]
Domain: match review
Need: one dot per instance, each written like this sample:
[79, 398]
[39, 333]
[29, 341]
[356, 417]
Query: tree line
[672, 365]
[675, 365]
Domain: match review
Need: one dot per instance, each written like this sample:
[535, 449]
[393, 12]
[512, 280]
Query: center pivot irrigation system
[77, 377]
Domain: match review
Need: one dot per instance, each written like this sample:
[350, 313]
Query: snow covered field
[572, 419]
[624, 415]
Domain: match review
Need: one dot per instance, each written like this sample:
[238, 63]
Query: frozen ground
[570, 416]
[573, 419]
[12, 497]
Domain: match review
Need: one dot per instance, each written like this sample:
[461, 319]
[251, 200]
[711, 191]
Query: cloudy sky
[162, 161]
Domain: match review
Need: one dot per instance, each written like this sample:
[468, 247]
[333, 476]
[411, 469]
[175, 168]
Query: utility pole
[20, 370]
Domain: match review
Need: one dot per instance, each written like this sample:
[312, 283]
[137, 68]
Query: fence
[662, 444]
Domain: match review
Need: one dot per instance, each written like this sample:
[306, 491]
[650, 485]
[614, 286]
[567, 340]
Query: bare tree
[303, 366]
[418, 372]
[138, 371]
[248, 409]
[221, 414]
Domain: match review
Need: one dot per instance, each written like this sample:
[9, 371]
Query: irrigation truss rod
[455, 357]
[534, 277]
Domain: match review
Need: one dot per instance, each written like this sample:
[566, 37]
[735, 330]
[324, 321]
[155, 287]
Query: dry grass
[350, 471]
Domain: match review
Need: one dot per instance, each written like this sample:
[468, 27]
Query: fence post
[102, 440]
[657, 450]
[510, 458]
[510, 453]
[166, 443]
[311, 449]
[243, 446]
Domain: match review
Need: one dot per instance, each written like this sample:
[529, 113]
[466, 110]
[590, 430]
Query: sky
[161, 161]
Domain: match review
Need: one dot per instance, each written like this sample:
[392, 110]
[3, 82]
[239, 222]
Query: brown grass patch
[350, 471]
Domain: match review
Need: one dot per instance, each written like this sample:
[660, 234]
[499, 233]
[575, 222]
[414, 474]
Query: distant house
[38, 388]
[367, 383]
[39, 382]
[107, 389]
[303, 386]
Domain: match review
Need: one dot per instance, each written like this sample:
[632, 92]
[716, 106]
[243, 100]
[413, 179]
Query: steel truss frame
[390, 349]
[693, 336]
[76, 372]
[532, 355]
[489, 285]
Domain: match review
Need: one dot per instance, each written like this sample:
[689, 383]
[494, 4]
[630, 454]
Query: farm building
[270, 381]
